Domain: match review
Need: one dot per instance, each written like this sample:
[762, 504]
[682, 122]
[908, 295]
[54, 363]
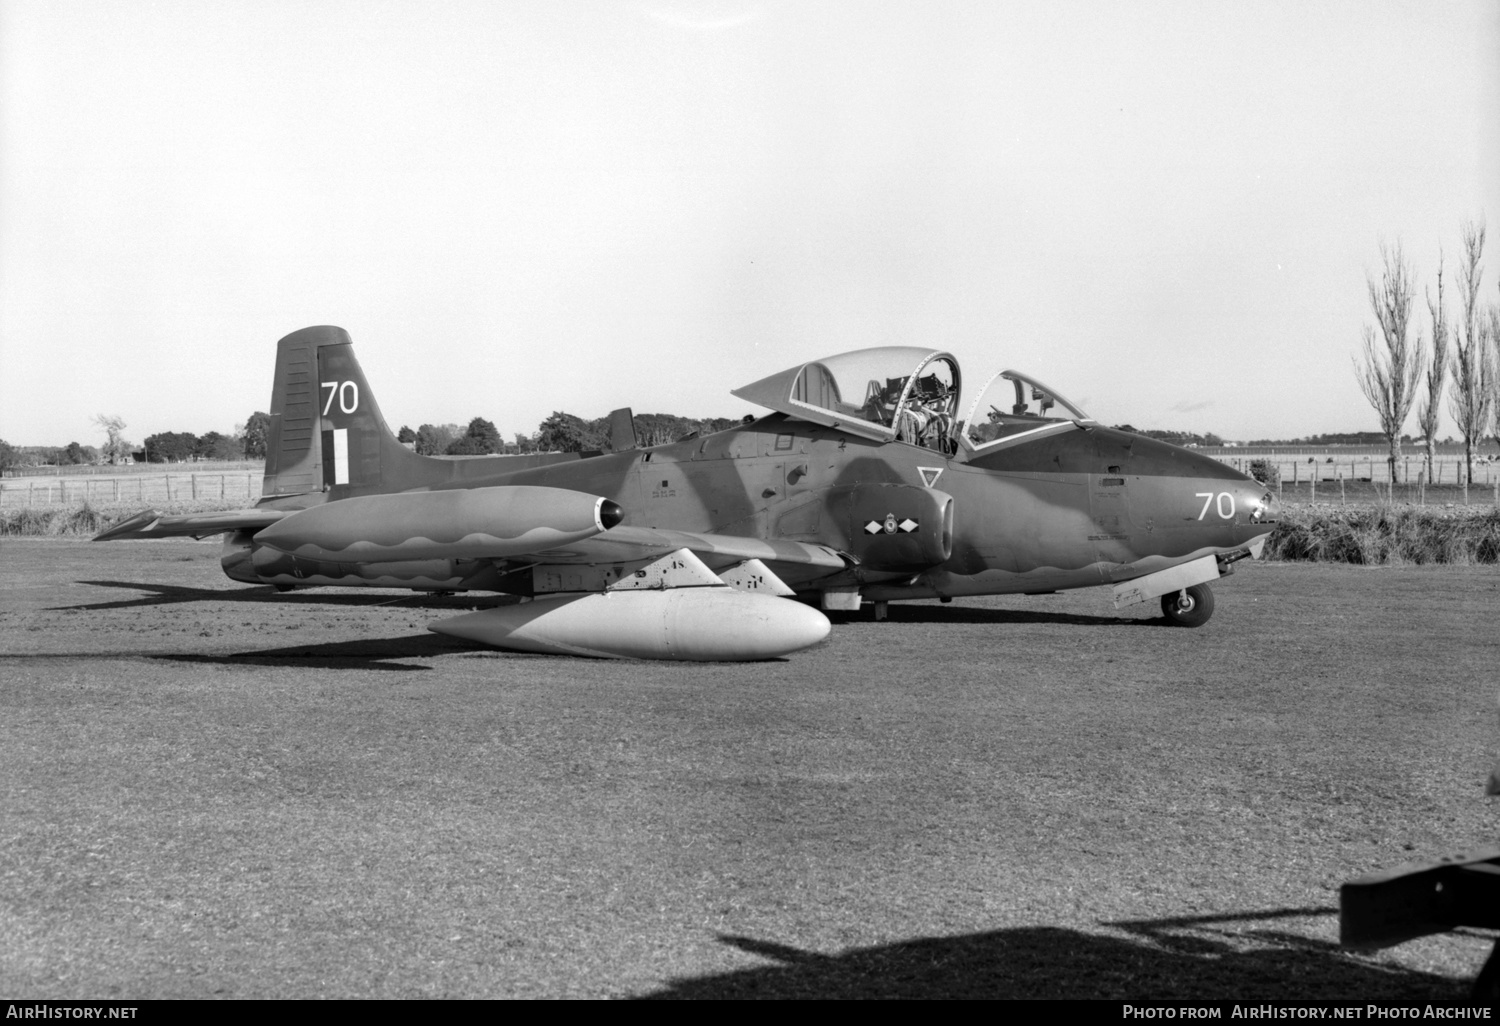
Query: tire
[1199, 606]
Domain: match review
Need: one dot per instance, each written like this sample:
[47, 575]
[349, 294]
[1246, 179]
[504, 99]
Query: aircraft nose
[1264, 506]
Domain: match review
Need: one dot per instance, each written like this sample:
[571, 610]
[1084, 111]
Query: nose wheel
[1190, 607]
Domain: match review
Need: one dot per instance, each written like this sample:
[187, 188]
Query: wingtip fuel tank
[718, 624]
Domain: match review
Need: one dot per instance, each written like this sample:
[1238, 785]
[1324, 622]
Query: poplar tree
[1472, 397]
[1437, 370]
[1393, 359]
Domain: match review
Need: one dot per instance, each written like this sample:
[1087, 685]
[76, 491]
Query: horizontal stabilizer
[152, 523]
[622, 430]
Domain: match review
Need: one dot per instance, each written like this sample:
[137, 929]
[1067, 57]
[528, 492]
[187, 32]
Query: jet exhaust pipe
[501, 520]
[717, 624]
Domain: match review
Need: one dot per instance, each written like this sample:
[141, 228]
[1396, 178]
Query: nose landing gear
[1190, 607]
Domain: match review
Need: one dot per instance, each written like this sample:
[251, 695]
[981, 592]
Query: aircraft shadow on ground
[938, 614]
[168, 594]
[1168, 959]
[363, 654]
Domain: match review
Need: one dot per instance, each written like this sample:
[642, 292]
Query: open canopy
[1013, 407]
[888, 393]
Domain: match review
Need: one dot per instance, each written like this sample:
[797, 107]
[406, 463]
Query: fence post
[168, 478]
[194, 479]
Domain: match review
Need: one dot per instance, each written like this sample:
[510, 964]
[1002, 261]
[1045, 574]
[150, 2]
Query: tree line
[559, 432]
[1400, 366]
[247, 442]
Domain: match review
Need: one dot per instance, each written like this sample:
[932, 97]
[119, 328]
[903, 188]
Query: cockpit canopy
[889, 393]
[911, 394]
[1027, 409]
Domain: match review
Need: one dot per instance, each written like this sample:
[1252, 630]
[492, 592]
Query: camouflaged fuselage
[1091, 507]
[1076, 506]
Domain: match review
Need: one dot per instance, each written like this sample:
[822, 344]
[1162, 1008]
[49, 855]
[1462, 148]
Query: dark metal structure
[1384, 909]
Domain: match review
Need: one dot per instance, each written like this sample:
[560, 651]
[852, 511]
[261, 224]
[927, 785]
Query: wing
[153, 523]
[636, 544]
[519, 527]
[599, 589]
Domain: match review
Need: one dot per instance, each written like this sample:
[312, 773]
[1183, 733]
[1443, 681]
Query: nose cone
[610, 513]
[1264, 507]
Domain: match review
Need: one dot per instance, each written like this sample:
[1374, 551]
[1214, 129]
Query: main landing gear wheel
[1190, 607]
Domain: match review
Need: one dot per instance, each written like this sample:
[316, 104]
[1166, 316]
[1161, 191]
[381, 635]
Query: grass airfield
[208, 789]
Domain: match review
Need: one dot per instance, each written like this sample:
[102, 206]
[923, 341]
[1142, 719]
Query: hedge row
[1388, 535]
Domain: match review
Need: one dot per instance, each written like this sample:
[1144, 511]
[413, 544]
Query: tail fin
[328, 440]
[327, 434]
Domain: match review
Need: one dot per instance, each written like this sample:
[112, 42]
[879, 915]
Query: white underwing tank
[712, 624]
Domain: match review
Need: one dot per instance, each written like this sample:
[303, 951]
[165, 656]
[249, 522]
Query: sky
[1166, 211]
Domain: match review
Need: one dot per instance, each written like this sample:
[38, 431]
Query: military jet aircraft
[871, 480]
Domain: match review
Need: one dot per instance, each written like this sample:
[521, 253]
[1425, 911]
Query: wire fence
[130, 469]
[1446, 469]
[241, 486]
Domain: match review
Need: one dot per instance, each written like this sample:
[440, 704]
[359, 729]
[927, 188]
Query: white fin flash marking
[340, 455]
